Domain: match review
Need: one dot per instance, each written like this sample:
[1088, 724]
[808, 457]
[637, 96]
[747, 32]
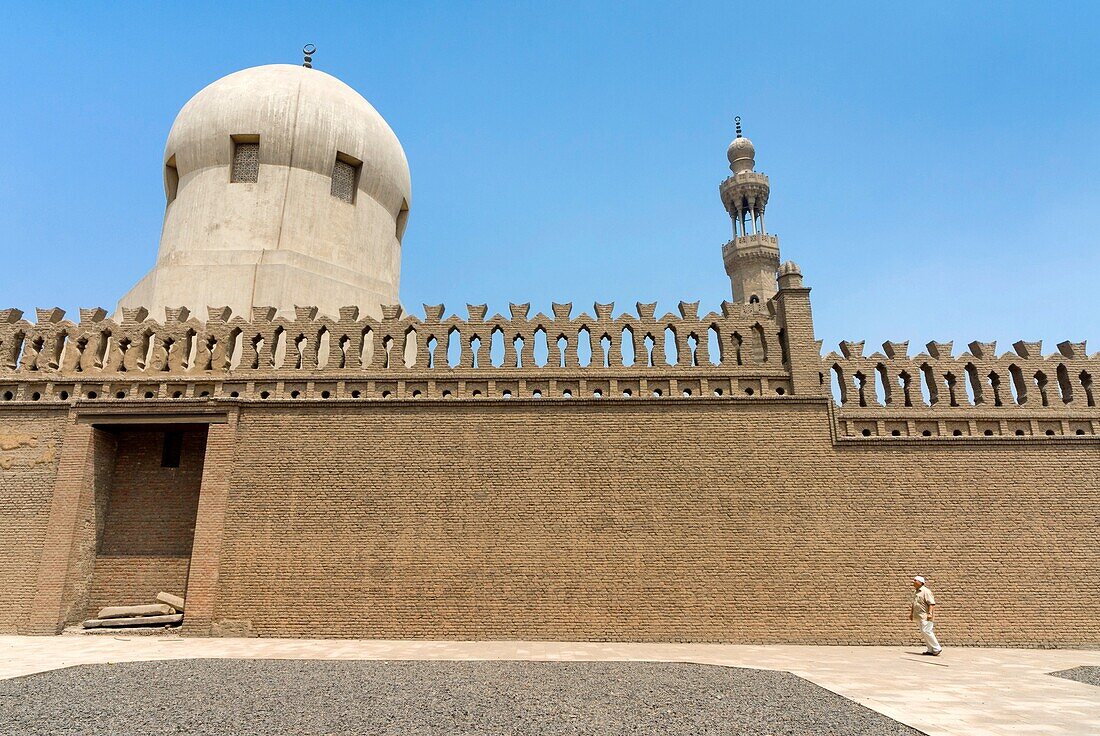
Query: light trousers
[930, 639]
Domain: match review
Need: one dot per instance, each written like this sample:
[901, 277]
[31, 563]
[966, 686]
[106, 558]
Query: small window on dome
[345, 177]
[171, 179]
[246, 159]
[402, 220]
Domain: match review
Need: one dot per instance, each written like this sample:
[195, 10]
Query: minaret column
[752, 257]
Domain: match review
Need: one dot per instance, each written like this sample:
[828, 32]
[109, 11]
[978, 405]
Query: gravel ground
[298, 697]
[1087, 675]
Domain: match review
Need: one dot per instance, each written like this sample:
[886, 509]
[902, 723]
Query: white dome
[285, 187]
[296, 110]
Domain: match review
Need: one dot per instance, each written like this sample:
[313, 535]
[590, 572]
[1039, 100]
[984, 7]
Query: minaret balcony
[749, 247]
[745, 185]
[743, 177]
[756, 240]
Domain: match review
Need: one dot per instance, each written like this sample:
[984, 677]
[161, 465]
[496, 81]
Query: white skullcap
[919, 579]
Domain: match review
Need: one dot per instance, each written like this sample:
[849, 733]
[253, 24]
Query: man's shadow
[926, 659]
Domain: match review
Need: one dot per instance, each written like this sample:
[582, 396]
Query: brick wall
[202, 580]
[148, 520]
[692, 520]
[29, 443]
[86, 497]
[132, 579]
[675, 519]
[151, 509]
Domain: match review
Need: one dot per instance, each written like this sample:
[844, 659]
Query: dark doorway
[147, 504]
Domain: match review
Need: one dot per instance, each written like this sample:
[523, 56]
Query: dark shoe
[936, 653]
[929, 654]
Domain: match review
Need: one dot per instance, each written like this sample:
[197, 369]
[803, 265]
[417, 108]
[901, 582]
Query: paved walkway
[964, 692]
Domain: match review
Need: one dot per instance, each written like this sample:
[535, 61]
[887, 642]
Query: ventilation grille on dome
[345, 178]
[246, 161]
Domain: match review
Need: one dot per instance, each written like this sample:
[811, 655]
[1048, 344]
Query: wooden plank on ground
[173, 600]
[152, 609]
[95, 623]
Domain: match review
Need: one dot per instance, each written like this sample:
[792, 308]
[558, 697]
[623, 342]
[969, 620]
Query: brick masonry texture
[151, 509]
[133, 579]
[704, 521]
[26, 485]
[202, 582]
[148, 519]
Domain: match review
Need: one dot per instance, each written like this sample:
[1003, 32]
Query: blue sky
[935, 169]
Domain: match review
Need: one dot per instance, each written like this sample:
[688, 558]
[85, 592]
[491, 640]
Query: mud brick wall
[29, 443]
[147, 521]
[126, 580]
[736, 521]
[151, 509]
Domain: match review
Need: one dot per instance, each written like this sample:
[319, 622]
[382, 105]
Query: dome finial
[741, 153]
[308, 51]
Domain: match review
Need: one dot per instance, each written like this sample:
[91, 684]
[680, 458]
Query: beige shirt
[922, 601]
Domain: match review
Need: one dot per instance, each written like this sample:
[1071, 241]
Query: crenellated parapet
[740, 350]
[978, 393]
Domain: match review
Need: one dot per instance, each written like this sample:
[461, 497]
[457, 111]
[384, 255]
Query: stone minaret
[752, 257]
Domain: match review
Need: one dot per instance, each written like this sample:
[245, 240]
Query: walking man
[924, 605]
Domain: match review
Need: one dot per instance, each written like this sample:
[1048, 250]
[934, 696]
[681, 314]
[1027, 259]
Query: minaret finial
[308, 51]
[737, 120]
